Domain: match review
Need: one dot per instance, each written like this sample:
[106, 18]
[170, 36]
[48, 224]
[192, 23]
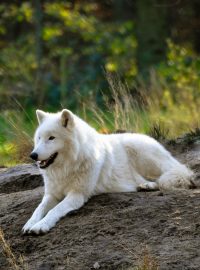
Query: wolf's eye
[51, 138]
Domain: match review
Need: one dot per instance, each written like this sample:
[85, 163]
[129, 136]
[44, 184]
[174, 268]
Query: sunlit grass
[156, 113]
[16, 137]
[8, 154]
[120, 112]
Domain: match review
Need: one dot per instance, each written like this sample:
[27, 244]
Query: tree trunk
[196, 24]
[152, 29]
[39, 91]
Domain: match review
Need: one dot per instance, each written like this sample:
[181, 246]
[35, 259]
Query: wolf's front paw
[29, 224]
[40, 228]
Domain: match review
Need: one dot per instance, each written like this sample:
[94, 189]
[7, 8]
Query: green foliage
[77, 46]
[181, 71]
[62, 62]
[175, 94]
[104, 45]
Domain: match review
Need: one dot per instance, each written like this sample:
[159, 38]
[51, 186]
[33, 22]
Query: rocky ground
[112, 231]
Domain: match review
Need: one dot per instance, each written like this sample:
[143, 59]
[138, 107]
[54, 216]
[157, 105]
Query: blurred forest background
[119, 64]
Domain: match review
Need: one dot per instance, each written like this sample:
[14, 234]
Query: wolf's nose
[34, 156]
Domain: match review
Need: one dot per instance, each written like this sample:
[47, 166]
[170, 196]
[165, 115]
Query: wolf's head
[53, 136]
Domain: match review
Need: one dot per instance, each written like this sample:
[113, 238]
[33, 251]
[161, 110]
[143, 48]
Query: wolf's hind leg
[148, 186]
[143, 184]
[179, 177]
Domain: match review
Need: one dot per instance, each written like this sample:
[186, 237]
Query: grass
[146, 262]
[158, 131]
[122, 111]
[16, 137]
[14, 262]
[192, 136]
[155, 110]
[177, 109]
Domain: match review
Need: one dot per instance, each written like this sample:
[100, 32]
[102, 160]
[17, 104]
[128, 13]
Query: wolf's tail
[178, 177]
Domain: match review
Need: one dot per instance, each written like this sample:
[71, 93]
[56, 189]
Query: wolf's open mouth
[45, 163]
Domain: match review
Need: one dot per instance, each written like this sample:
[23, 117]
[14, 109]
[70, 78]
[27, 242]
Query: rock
[21, 177]
[109, 232]
[96, 265]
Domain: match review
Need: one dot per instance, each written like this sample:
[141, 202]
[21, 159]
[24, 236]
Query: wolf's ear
[40, 116]
[66, 118]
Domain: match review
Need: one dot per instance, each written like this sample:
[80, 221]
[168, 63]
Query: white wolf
[77, 162]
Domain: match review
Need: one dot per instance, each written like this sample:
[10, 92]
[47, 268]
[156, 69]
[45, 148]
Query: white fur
[89, 163]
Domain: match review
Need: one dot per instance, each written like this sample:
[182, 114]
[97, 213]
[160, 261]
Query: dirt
[111, 231]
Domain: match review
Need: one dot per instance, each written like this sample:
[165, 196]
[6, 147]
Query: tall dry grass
[14, 262]
[154, 109]
[18, 132]
[146, 261]
[22, 140]
[121, 111]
